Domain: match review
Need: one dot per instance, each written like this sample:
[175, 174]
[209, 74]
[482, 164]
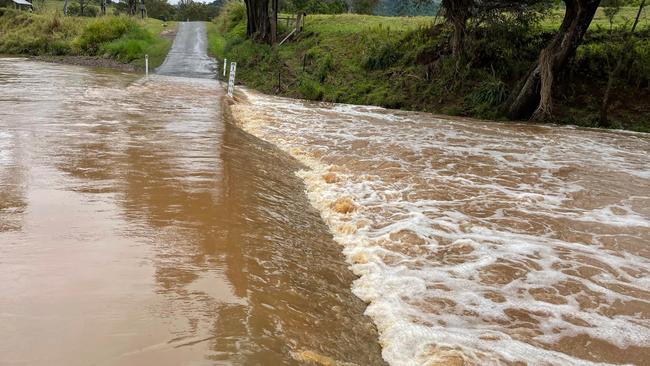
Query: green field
[348, 23]
[626, 15]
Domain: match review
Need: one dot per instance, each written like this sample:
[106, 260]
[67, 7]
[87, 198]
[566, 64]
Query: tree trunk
[457, 12]
[604, 108]
[132, 4]
[458, 39]
[534, 95]
[250, 22]
[300, 19]
[259, 23]
[65, 7]
[274, 21]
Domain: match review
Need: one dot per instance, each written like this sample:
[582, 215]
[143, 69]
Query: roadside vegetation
[120, 38]
[410, 63]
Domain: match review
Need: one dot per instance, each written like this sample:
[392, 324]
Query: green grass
[121, 38]
[626, 15]
[354, 23]
[37, 34]
[216, 41]
[152, 44]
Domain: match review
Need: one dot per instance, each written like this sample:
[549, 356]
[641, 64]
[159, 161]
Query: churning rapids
[476, 242]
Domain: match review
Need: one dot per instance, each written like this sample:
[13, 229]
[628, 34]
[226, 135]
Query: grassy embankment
[400, 62]
[49, 33]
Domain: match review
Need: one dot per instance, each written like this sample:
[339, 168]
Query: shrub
[310, 89]
[325, 67]
[60, 48]
[74, 9]
[91, 11]
[103, 30]
[381, 55]
[232, 13]
[129, 47]
[491, 92]
[485, 97]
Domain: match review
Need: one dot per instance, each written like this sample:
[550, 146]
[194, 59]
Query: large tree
[533, 95]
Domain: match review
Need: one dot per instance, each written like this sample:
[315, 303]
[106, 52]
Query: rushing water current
[137, 228]
[476, 242]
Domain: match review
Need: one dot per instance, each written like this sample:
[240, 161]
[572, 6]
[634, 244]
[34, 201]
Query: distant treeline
[375, 7]
[184, 10]
[157, 9]
[405, 8]
[193, 10]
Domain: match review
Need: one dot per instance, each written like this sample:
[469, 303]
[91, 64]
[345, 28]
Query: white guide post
[225, 65]
[146, 65]
[231, 81]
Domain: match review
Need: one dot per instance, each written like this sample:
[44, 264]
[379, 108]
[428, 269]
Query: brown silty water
[479, 243]
[137, 228]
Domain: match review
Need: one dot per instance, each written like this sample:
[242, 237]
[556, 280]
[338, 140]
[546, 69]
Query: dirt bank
[92, 61]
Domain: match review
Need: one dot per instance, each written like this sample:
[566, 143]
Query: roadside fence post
[146, 65]
[231, 81]
[225, 65]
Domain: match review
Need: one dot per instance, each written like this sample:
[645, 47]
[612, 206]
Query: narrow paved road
[188, 56]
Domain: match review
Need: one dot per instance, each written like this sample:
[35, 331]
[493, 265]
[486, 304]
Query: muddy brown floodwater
[137, 228]
[479, 243]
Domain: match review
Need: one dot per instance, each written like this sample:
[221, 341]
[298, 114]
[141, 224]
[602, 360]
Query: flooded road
[137, 228]
[479, 243]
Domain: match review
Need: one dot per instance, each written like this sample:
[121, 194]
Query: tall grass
[102, 30]
[35, 34]
[117, 37]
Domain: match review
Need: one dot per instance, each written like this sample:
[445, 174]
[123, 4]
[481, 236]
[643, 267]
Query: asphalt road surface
[188, 56]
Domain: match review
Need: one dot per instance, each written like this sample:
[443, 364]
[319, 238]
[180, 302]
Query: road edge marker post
[146, 65]
[231, 81]
[225, 66]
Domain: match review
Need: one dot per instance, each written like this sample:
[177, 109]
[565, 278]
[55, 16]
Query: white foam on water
[484, 242]
[5, 144]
